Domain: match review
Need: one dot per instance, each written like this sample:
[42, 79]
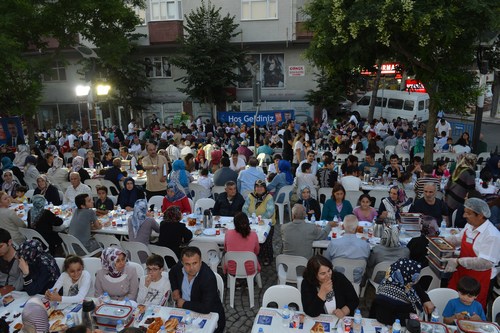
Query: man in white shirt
[87, 137]
[441, 126]
[131, 127]
[237, 163]
[186, 149]
[76, 188]
[311, 159]
[71, 138]
[173, 152]
[351, 181]
[135, 147]
[131, 160]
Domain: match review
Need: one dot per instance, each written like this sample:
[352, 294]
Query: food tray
[429, 327]
[108, 314]
[472, 326]
[440, 247]
[437, 270]
[439, 261]
[410, 218]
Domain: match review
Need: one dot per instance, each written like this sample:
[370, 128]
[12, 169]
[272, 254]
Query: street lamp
[103, 89]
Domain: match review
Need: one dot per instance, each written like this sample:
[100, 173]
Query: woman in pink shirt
[241, 239]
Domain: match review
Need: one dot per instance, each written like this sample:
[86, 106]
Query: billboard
[11, 131]
[263, 118]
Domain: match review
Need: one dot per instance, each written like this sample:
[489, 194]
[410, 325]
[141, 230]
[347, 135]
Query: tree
[25, 53]
[208, 56]
[436, 41]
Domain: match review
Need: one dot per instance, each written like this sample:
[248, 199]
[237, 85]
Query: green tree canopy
[208, 56]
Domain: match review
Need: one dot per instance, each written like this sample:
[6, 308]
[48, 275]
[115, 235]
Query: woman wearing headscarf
[35, 317]
[8, 165]
[173, 233]
[116, 278]
[392, 206]
[9, 185]
[129, 194]
[399, 294]
[31, 173]
[389, 249]
[176, 197]
[77, 166]
[22, 152]
[180, 176]
[43, 221]
[283, 178]
[140, 225]
[49, 191]
[39, 268]
[462, 181]
[261, 202]
[310, 204]
[418, 245]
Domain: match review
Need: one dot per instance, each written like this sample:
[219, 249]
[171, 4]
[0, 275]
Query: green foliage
[24, 54]
[207, 55]
[328, 91]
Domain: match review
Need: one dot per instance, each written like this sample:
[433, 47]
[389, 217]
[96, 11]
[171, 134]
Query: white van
[395, 104]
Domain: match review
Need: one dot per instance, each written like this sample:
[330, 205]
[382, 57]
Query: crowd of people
[221, 155]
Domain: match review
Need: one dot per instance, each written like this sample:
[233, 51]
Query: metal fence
[457, 128]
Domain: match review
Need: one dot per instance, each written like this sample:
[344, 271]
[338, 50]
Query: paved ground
[240, 319]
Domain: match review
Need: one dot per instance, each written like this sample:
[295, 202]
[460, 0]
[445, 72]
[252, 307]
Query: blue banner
[265, 117]
[11, 131]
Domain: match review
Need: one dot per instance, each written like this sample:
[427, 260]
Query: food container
[429, 327]
[440, 262]
[440, 247]
[108, 314]
[472, 326]
[436, 268]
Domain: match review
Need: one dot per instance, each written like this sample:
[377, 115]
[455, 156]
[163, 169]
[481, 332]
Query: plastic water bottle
[106, 298]
[53, 304]
[442, 229]
[70, 322]
[435, 316]
[358, 321]
[119, 326]
[306, 219]
[128, 302]
[313, 219]
[162, 329]
[254, 218]
[396, 327]
[188, 320]
[335, 218]
[261, 330]
[286, 316]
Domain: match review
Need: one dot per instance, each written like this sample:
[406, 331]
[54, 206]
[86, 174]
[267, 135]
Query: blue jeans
[495, 215]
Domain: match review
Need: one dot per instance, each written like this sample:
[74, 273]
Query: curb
[486, 120]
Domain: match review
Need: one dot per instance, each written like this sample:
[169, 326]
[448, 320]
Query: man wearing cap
[479, 243]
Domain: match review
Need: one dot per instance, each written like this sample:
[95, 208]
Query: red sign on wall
[413, 85]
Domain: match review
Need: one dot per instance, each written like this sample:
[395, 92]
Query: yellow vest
[262, 209]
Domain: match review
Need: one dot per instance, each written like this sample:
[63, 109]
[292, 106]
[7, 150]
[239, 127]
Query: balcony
[301, 32]
[164, 32]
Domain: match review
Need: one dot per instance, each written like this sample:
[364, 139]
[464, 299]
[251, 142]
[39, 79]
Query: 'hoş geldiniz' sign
[264, 117]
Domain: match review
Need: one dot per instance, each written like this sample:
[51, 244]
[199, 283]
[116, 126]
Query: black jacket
[222, 206]
[173, 234]
[51, 195]
[204, 293]
[344, 295]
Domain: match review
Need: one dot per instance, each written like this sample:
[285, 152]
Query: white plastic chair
[282, 295]
[60, 263]
[353, 270]
[380, 267]
[93, 184]
[72, 244]
[379, 157]
[112, 189]
[29, 194]
[204, 203]
[33, 234]
[326, 191]
[216, 190]
[107, 240]
[139, 252]
[220, 286]
[453, 218]
[286, 266]
[61, 195]
[156, 201]
[92, 265]
[138, 267]
[389, 150]
[435, 282]
[191, 204]
[378, 195]
[210, 253]
[341, 157]
[352, 197]
[114, 199]
[196, 191]
[282, 200]
[440, 297]
[163, 251]
[495, 309]
[240, 258]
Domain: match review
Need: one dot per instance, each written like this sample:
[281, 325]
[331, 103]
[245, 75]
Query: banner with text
[263, 118]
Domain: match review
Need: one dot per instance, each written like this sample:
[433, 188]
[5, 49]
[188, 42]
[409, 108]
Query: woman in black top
[326, 291]
[173, 233]
[49, 191]
[310, 204]
[42, 220]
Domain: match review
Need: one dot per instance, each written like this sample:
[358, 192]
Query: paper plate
[209, 232]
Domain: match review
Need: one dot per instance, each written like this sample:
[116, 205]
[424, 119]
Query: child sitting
[103, 203]
[465, 306]
[307, 179]
[154, 287]
[206, 182]
[20, 194]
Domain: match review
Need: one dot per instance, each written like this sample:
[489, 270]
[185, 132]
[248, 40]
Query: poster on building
[157, 67]
[263, 118]
[11, 131]
[250, 70]
[273, 69]
[297, 70]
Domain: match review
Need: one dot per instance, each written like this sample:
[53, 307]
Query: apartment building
[272, 33]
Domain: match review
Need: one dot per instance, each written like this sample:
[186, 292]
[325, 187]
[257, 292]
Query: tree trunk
[373, 101]
[431, 124]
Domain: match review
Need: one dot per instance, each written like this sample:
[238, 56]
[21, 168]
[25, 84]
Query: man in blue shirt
[247, 178]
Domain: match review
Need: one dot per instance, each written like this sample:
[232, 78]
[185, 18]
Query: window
[379, 102]
[140, 13]
[165, 10]
[158, 67]
[421, 105]
[56, 73]
[259, 9]
[395, 103]
[365, 100]
[409, 105]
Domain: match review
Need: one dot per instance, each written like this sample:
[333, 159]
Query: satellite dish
[85, 51]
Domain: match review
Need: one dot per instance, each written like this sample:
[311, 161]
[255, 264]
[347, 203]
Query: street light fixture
[103, 89]
[82, 91]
